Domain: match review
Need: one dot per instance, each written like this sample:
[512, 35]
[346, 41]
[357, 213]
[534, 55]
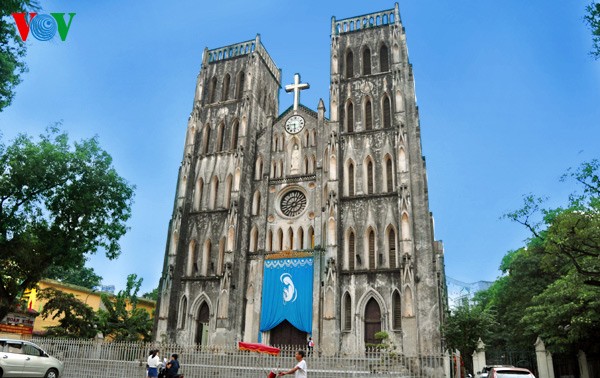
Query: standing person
[173, 366]
[299, 370]
[153, 363]
[311, 345]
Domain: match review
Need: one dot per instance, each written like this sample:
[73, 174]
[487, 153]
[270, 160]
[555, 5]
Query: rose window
[293, 203]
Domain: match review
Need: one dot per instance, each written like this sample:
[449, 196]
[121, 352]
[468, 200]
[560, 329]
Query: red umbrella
[260, 348]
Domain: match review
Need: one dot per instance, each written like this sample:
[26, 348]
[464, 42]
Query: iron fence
[524, 359]
[89, 358]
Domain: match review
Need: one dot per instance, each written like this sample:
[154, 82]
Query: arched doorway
[372, 321]
[286, 334]
[202, 325]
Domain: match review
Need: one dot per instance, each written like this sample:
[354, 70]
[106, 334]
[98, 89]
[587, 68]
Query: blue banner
[287, 293]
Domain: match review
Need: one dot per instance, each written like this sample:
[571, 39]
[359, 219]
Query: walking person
[311, 345]
[153, 363]
[299, 370]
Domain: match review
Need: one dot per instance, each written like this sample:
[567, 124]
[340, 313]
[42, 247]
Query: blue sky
[508, 96]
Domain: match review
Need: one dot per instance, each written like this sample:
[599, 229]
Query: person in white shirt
[153, 363]
[299, 370]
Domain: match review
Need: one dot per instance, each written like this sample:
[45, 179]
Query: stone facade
[350, 190]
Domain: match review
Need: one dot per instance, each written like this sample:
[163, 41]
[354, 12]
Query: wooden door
[372, 321]
[286, 334]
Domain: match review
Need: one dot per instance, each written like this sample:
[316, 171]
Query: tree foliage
[571, 234]
[122, 320]
[78, 275]
[592, 18]
[58, 203]
[566, 315]
[76, 319]
[12, 49]
[466, 324]
[551, 287]
[151, 295]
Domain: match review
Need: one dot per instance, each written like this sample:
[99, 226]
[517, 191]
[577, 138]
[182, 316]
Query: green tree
[551, 287]
[466, 324]
[58, 204]
[566, 315]
[572, 234]
[12, 49]
[524, 277]
[78, 275]
[592, 18]
[151, 295]
[123, 320]
[75, 318]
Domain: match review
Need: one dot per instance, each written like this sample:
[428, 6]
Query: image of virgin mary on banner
[287, 293]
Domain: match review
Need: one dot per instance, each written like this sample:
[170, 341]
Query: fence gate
[523, 359]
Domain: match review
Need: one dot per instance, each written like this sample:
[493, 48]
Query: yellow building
[87, 296]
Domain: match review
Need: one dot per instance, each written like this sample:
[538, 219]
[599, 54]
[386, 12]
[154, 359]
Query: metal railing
[89, 358]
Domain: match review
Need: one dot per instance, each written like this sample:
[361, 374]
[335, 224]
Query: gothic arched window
[225, 88]
[228, 185]
[212, 91]
[351, 178]
[368, 115]
[280, 239]
[347, 312]
[254, 239]
[256, 203]
[370, 177]
[206, 258]
[392, 247]
[269, 241]
[350, 117]
[220, 137]
[389, 174]
[351, 249]
[182, 312]
[192, 265]
[300, 238]
[371, 245]
[384, 59]
[221, 258]
[366, 61]
[214, 193]
[387, 116]
[349, 65]
[396, 311]
[258, 168]
[239, 87]
[234, 135]
[198, 194]
[206, 139]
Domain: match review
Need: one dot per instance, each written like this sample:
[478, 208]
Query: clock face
[294, 124]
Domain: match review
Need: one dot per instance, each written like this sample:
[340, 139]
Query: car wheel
[51, 373]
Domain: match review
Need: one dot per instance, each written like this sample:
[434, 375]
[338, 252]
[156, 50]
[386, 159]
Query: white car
[19, 358]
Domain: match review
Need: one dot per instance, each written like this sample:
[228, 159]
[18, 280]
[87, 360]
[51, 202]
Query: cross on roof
[296, 88]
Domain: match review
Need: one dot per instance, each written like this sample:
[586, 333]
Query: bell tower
[386, 255]
[236, 93]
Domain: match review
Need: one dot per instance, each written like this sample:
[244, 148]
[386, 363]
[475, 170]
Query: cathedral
[291, 224]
